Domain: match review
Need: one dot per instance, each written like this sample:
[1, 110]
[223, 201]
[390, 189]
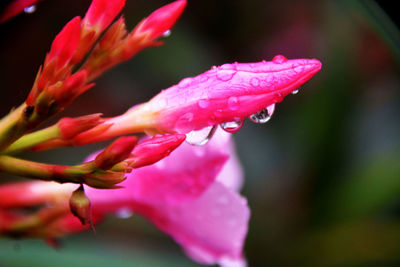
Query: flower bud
[80, 206]
[160, 20]
[70, 127]
[227, 93]
[116, 152]
[154, 149]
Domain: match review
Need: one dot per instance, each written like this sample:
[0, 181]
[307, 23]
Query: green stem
[29, 140]
[42, 171]
[12, 127]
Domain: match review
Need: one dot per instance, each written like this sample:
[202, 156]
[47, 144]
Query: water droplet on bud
[166, 33]
[232, 126]
[30, 9]
[203, 103]
[264, 115]
[279, 59]
[225, 75]
[233, 103]
[295, 91]
[124, 213]
[200, 137]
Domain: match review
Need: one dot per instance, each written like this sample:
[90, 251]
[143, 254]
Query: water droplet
[264, 115]
[124, 213]
[203, 103]
[233, 103]
[225, 75]
[299, 69]
[279, 59]
[200, 137]
[295, 91]
[202, 78]
[255, 81]
[184, 123]
[166, 33]
[214, 67]
[30, 9]
[185, 82]
[232, 126]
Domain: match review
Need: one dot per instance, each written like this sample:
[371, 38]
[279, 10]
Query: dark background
[322, 177]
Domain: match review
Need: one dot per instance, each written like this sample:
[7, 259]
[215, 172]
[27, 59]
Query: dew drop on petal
[232, 126]
[264, 115]
[200, 137]
[271, 110]
[254, 81]
[166, 33]
[185, 82]
[124, 213]
[295, 91]
[30, 9]
[279, 59]
[233, 103]
[225, 75]
[203, 103]
[214, 67]
[184, 123]
[299, 69]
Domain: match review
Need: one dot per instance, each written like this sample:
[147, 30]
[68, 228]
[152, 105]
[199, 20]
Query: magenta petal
[211, 228]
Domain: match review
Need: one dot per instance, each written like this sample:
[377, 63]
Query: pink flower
[184, 196]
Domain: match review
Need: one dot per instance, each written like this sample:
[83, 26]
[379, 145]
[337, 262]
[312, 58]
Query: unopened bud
[70, 127]
[154, 149]
[80, 206]
[116, 152]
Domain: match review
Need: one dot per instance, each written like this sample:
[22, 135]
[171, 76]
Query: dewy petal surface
[227, 93]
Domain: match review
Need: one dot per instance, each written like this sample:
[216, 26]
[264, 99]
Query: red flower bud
[154, 149]
[116, 152]
[65, 43]
[70, 127]
[161, 20]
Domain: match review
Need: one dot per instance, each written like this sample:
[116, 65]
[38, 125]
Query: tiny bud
[80, 206]
[116, 152]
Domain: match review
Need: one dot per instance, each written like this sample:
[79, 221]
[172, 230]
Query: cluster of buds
[139, 175]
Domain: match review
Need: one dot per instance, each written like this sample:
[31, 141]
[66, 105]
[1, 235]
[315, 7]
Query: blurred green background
[322, 177]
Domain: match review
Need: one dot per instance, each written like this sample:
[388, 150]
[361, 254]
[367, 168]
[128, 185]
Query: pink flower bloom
[183, 197]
